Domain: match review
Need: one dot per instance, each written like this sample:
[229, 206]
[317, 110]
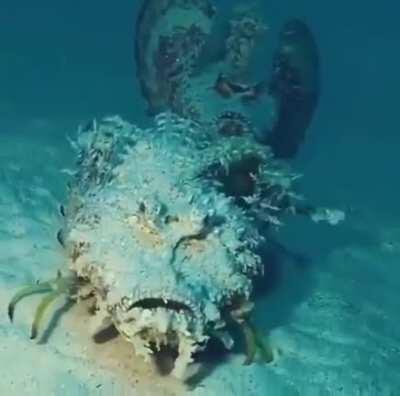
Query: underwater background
[332, 302]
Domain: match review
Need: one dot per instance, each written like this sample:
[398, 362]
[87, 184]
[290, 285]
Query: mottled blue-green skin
[295, 84]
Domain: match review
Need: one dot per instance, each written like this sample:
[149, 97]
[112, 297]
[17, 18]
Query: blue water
[64, 63]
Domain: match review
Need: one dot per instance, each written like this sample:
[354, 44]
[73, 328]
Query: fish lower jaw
[161, 334]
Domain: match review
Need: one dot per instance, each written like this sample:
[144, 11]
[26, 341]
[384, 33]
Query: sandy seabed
[332, 317]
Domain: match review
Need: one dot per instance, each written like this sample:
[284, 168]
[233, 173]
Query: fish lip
[191, 314]
[161, 302]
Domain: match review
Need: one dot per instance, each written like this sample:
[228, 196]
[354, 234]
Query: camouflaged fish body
[166, 253]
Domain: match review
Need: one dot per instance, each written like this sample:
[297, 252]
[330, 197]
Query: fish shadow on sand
[286, 282]
[290, 275]
[54, 321]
